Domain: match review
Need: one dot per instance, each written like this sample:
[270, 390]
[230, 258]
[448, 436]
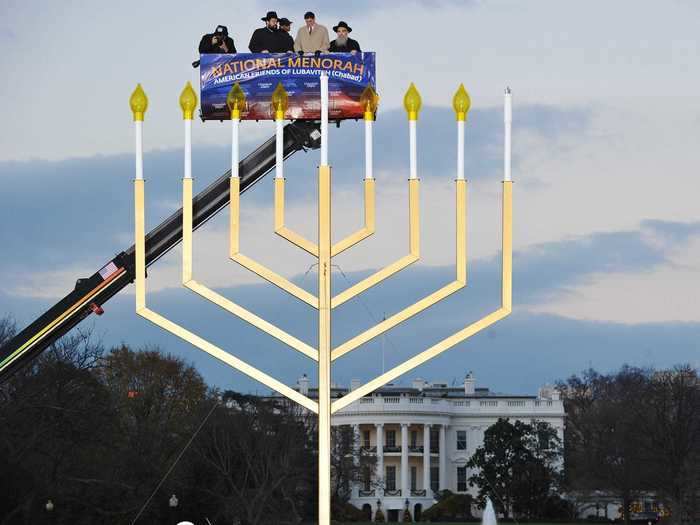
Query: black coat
[205, 45]
[265, 39]
[350, 45]
[286, 42]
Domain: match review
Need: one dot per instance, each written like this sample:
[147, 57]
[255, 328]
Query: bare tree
[604, 435]
[672, 428]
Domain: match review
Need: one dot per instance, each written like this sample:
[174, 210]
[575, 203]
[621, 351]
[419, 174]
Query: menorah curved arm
[255, 267]
[435, 297]
[466, 332]
[184, 334]
[405, 261]
[282, 230]
[367, 229]
[215, 297]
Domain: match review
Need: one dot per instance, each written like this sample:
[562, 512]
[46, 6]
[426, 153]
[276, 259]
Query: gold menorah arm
[469, 330]
[435, 297]
[282, 230]
[255, 267]
[216, 298]
[406, 260]
[184, 334]
[369, 227]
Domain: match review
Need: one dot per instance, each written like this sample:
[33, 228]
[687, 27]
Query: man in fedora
[313, 37]
[266, 39]
[284, 36]
[343, 43]
[217, 42]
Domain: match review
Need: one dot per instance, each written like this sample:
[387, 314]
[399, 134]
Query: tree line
[109, 436]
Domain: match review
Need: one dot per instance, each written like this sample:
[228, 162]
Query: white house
[423, 436]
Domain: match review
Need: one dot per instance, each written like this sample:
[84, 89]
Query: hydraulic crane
[92, 292]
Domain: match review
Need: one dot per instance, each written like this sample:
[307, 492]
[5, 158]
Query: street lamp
[172, 502]
[49, 506]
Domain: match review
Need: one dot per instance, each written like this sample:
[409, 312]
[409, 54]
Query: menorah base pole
[324, 345]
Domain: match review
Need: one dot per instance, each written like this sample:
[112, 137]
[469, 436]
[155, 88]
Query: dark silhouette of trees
[517, 467]
[633, 432]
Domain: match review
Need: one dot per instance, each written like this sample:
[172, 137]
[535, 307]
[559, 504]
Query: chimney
[355, 384]
[469, 384]
[418, 383]
[303, 383]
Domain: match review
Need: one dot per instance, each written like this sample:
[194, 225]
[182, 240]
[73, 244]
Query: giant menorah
[323, 250]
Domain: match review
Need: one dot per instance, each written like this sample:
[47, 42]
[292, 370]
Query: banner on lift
[259, 73]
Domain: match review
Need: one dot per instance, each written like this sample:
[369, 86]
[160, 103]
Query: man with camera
[217, 42]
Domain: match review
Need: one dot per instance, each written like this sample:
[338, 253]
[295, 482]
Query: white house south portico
[424, 434]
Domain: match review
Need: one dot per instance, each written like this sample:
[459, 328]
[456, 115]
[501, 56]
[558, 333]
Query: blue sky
[607, 232]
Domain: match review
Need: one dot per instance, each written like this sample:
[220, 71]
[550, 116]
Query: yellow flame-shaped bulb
[188, 101]
[235, 100]
[279, 101]
[369, 100]
[412, 102]
[461, 103]
[138, 103]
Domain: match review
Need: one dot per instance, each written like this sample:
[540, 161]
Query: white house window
[365, 438]
[366, 479]
[414, 478]
[435, 479]
[391, 438]
[434, 440]
[390, 477]
[414, 438]
[461, 479]
[461, 440]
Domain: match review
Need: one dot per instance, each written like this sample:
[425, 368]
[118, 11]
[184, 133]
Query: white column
[380, 455]
[324, 119]
[234, 147]
[426, 459]
[507, 120]
[279, 149]
[405, 492]
[413, 154]
[188, 148]
[138, 127]
[443, 459]
[368, 150]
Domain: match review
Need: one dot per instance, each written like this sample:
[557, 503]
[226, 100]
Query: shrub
[379, 516]
[450, 507]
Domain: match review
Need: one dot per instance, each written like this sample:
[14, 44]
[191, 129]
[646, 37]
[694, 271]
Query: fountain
[489, 516]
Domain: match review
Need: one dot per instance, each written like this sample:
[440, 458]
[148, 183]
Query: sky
[605, 163]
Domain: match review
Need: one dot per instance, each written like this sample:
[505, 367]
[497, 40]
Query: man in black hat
[343, 43]
[266, 39]
[287, 44]
[217, 42]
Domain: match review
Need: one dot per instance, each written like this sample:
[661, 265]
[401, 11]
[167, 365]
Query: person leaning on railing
[343, 43]
[217, 42]
[312, 37]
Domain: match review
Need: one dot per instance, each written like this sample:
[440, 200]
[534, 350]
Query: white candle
[279, 149]
[138, 126]
[188, 149]
[508, 119]
[368, 149]
[234, 147]
[413, 154]
[324, 119]
[460, 150]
